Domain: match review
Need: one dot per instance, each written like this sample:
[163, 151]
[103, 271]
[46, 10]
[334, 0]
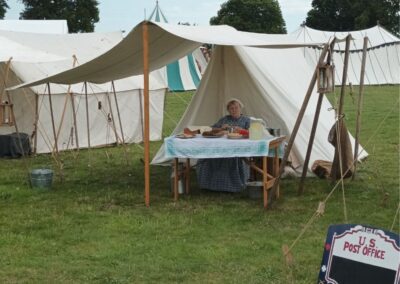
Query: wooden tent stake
[359, 105]
[301, 114]
[118, 112]
[52, 120]
[87, 115]
[146, 115]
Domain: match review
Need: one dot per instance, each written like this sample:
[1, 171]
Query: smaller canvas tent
[383, 54]
[111, 118]
[185, 73]
[35, 26]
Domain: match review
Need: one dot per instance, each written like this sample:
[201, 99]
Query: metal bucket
[41, 178]
[254, 189]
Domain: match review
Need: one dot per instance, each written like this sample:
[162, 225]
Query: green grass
[93, 227]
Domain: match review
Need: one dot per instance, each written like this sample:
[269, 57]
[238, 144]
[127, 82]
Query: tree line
[262, 16]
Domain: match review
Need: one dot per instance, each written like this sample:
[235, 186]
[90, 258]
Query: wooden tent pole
[52, 120]
[112, 118]
[301, 114]
[75, 123]
[312, 133]
[87, 115]
[5, 78]
[36, 123]
[146, 114]
[62, 115]
[19, 137]
[66, 101]
[344, 77]
[359, 105]
[118, 112]
[310, 143]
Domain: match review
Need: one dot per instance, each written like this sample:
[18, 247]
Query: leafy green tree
[81, 15]
[261, 16]
[3, 8]
[346, 15]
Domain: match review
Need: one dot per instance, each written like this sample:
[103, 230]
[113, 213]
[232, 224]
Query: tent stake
[359, 106]
[118, 112]
[52, 120]
[300, 115]
[146, 114]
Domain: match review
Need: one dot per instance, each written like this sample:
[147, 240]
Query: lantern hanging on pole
[326, 78]
[6, 113]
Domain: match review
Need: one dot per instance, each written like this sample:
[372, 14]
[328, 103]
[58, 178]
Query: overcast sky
[125, 14]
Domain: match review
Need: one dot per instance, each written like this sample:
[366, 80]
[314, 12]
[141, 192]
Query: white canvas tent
[383, 54]
[271, 83]
[36, 55]
[152, 45]
[35, 26]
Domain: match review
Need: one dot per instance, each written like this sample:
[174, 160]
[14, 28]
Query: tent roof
[167, 43]
[35, 26]
[33, 47]
[377, 36]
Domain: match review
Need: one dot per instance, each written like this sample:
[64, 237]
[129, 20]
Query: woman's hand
[225, 126]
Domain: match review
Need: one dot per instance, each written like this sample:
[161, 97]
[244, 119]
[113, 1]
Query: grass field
[93, 227]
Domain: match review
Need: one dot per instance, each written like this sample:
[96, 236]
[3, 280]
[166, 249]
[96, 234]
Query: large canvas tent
[112, 118]
[271, 83]
[383, 54]
[152, 45]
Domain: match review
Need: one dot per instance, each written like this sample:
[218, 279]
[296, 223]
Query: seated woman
[226, 174]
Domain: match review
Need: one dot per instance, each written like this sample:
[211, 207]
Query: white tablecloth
[222, 147]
